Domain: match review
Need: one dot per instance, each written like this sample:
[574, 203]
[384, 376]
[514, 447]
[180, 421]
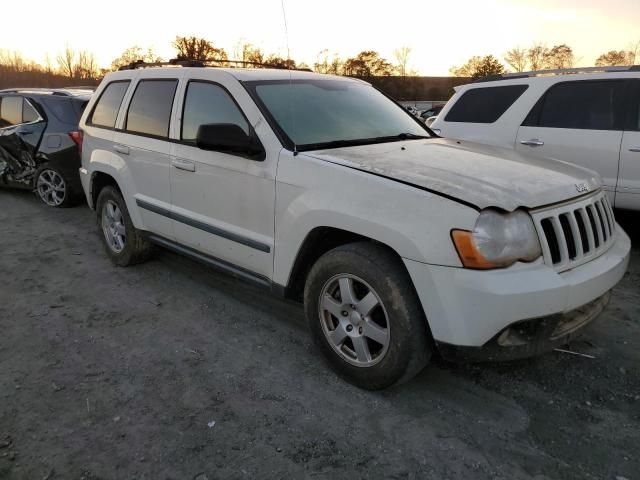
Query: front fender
[312, 193]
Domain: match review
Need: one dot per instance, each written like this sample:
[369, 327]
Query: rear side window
[106, 109]
[586, 105]
[208, 103]
[150, 108]
[484, 105]
[11, 111]
[29, 113]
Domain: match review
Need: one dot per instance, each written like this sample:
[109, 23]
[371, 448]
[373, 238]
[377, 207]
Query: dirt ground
[112, 373]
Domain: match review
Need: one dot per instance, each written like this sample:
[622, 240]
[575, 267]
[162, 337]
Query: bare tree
[536, 56]
[67, 62]
[194, 48]
[324, 64]
[517, 59]
[402, 55]
[86, 67]
[247, 52]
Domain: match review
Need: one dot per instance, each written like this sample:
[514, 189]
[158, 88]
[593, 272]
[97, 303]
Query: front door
[580, 122]
[628, 195]
[223, 204]
[21, 130]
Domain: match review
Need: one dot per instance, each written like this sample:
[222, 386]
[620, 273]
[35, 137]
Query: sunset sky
[441, 34]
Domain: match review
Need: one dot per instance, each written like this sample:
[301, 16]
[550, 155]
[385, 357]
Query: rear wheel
[365, 316]
[124, 244]
[52, 187]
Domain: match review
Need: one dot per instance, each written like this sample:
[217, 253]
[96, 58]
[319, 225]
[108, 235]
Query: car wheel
[124, 244]
[365, 316]
[52, 187]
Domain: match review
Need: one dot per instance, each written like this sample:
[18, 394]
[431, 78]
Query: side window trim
[122, 102]
[533, 117]
[27, 101]
[129, 98]
[184, 103]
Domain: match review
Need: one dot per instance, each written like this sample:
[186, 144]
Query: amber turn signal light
[468, 252]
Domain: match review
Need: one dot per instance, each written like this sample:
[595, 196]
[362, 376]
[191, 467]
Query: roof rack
[202, 64]
[50, 91]
[560, 71]
[60, 92]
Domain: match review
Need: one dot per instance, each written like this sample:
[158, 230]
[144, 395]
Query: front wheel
[365, 316]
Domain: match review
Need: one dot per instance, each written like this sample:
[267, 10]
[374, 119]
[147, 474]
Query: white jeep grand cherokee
[323, 189]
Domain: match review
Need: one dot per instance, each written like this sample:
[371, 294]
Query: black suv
[40, 142]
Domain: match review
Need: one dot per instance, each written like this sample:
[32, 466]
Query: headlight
[498, 240]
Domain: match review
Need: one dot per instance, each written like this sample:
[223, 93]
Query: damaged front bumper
[528, 338]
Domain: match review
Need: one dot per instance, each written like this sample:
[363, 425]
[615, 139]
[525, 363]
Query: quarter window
[150, 109]
[484, 105]
[586, 105]
[208, 103]
[106, 110]
[10, 111]
[29, 113]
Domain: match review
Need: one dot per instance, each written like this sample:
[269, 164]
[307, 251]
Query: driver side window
[206, 103]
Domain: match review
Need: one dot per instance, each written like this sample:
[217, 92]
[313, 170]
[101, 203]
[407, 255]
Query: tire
[52, 187]
[373, 276]
[124, 244]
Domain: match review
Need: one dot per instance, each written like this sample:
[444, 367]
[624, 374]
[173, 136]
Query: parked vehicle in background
[323, 190]
[590, 119]
[40, 142]
[411, 109]
[431, 112]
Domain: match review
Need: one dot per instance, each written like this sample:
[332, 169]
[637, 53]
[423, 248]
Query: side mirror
[228, 138]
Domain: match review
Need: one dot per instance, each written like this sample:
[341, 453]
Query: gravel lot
[111, 373]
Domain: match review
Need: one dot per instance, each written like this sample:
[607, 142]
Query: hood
[473, 173]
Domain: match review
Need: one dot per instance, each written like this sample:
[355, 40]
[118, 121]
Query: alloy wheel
[354, 320]
[51, 188]
[113, 226]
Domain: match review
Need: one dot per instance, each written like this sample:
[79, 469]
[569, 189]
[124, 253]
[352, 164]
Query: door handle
[182, 165]
[25, 132]
[634, 149]
[534, 142]
[123, 149]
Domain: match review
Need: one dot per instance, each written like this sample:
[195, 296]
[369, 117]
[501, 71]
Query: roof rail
[209, 63]
[560, 71]
[50, 91]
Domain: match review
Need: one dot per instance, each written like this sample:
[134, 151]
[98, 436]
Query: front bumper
[472, 308]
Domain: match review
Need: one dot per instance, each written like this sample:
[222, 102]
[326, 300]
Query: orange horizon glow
[439, 35]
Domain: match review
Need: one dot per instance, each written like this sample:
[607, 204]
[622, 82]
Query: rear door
[143, 144]
[579, 122]
[21, 130]
[628, 195]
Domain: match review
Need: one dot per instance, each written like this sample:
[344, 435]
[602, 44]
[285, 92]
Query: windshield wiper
[360, 141]
[410, 136]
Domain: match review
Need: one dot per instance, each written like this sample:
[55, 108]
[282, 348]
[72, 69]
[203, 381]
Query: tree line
[541, 57]
[74, 67]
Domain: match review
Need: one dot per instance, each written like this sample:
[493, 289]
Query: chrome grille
[575, 233]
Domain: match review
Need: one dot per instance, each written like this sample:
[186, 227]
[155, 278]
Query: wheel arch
[317, 242]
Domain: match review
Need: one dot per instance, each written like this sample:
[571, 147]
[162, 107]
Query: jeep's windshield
[317, 114]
